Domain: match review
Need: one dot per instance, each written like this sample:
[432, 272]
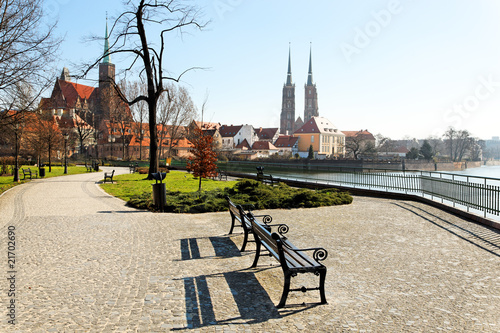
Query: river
[483, 171]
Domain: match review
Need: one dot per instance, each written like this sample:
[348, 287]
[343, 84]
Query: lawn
[129, 185]
[183, 197]
[7, 182]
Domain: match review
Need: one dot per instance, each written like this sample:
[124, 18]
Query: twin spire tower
[288, 123]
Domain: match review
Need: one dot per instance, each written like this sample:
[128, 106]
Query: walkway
[87, 263]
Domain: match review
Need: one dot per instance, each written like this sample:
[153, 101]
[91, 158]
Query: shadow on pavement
[481, 236]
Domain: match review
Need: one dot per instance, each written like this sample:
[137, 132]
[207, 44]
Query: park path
[87, 263]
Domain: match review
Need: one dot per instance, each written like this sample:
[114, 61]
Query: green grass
[129, 185]
[183, 197]
[7, 182]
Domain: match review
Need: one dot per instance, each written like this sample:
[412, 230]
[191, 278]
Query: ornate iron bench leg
[245, 240]
[257, 251]
[286, 290]
[322, 277]
[232, 224]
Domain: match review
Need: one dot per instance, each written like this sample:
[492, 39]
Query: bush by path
[244, 192]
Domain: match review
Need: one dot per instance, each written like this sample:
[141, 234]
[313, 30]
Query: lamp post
[66, 136]
[16, 151]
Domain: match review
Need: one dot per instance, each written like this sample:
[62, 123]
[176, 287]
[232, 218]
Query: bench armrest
[265, 218]
[282, 228]
[319, 253]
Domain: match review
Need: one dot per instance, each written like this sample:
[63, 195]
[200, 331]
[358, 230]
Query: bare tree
[458, 142]
[27, 46]
[129, 36]
[139, 110]
[174, 114]
[84, 131]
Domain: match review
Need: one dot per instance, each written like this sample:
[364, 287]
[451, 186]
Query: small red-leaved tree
[202, 163]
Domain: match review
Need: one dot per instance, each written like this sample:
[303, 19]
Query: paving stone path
[87, 263]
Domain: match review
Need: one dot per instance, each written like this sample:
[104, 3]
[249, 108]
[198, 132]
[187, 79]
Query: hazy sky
[399, 68]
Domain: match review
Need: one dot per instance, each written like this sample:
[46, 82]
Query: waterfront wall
[397, 166]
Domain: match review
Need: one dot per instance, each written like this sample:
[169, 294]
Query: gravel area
[84, 262]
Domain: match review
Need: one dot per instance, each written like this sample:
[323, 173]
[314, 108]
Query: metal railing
[480, 195]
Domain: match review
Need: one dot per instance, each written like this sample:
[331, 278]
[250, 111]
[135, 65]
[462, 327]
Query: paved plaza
[84, 262]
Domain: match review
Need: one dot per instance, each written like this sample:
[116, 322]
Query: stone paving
[87, 263]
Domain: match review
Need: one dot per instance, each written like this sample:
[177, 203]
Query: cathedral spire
[289, 74]
[105, 60]
[310, 74]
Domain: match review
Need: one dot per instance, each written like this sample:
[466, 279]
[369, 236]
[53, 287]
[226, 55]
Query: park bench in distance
[265, 179]
[292, 259]
[133, 167]
[28, 172]
[109, 175]
[237, 213]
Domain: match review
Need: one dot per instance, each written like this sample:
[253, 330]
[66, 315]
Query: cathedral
[80, 108]
[288, 123]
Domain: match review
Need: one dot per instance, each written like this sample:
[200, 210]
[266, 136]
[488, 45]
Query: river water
[483, 171]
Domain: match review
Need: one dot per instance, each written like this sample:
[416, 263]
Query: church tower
[287, 118]
[311, 94]
[106, 80]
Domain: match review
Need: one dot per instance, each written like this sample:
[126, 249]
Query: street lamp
[16, 150]
[66, 136]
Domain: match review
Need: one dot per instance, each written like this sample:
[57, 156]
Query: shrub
[244, 192]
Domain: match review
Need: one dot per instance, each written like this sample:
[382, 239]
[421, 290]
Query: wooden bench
[222, 174]
[89, 167]
[267, 179]
[292, 259]
[238, 214]
[28, 172]
[109, 175]
[133, 167]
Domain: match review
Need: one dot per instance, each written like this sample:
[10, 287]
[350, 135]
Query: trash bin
[42, 172]
[159, 191]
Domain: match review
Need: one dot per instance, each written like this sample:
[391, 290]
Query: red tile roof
[229, 131]
[266, 133]
[363, 133]
[285, 141]
[263, 145]
[243, 145]
[72, 91]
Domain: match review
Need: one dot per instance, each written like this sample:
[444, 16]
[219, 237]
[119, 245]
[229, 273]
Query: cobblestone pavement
[87, 263]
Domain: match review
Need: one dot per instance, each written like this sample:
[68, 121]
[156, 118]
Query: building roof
[229, 131]
[285, 141]
[243, 145]
[207, 126]
[363, 133]
[263, 145]
[266, 133]
[72, 91]
[318, 125]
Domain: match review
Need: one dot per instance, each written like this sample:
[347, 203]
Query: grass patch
[182, 196]
[130, 185]
[7, 182]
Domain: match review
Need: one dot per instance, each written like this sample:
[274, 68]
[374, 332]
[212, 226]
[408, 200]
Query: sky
[399, 68]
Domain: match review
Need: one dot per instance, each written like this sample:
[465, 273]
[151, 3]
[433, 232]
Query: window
[312, 138]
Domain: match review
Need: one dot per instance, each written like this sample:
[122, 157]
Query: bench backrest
[238, 213]
[284, 251]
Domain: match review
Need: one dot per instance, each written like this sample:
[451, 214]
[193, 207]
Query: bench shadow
[484, 237]
[224, 248]
[251, 299]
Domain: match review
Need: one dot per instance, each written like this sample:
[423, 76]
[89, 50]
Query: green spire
[105, 60]
[289, 74]
[310, 74]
